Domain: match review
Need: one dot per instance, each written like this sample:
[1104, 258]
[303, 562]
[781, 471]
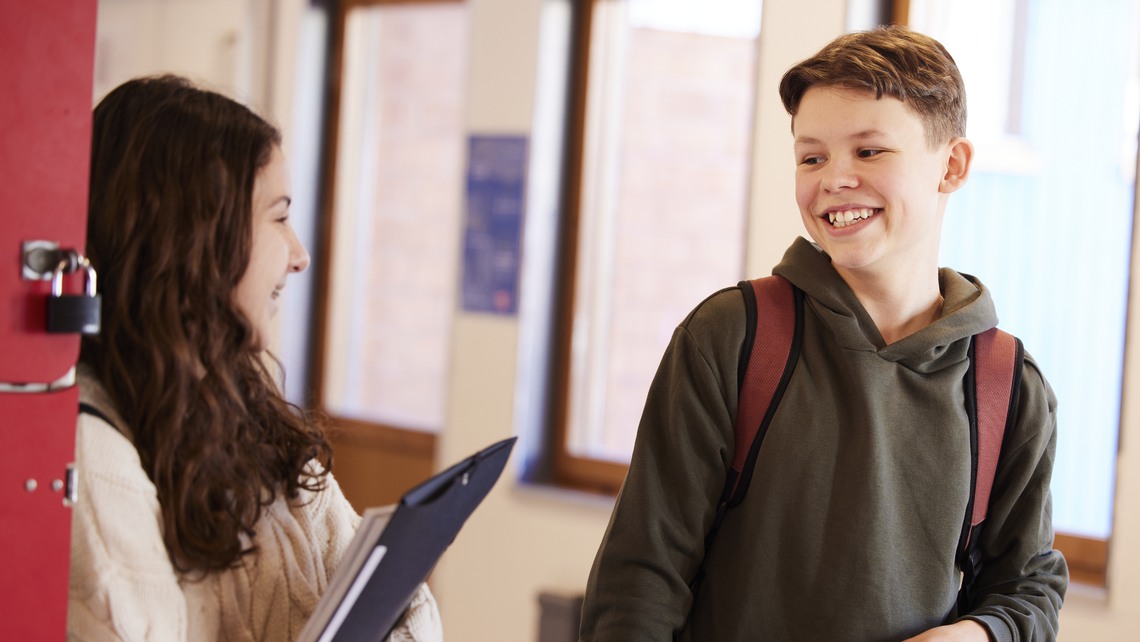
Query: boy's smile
[870, 187]
[843, 218]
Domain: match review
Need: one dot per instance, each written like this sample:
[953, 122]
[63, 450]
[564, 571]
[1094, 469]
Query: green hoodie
[852, 519]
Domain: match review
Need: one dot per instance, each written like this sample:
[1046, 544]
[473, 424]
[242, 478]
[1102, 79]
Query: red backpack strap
[774, 311]
[997, 363]
[995, 378]
[767, 365]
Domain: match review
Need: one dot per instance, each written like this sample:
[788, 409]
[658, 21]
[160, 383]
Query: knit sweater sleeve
[122, 584]
[1023, 580]
[639, 586]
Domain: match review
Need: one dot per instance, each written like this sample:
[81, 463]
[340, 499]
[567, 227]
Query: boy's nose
[838, 177]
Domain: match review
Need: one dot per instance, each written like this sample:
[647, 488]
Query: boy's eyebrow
[865, 134]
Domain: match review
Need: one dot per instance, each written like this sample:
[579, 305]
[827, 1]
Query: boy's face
[868, 160]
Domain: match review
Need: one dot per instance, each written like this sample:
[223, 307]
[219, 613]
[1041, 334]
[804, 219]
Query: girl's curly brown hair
[170, 232]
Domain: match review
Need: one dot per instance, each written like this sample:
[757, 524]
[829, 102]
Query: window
[1046, 218]
[395, 215]
[662, 195]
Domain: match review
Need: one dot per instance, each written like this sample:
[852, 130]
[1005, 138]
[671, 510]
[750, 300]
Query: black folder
[387, 562]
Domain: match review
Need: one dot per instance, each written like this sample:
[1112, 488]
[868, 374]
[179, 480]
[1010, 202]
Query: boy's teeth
[845, 218]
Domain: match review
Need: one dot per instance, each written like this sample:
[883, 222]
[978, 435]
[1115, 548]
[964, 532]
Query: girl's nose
[298, 256]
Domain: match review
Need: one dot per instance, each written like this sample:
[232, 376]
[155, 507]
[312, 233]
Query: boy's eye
[869, 153]
[811, 160]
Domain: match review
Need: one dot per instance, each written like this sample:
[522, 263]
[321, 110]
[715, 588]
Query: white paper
[353, 592]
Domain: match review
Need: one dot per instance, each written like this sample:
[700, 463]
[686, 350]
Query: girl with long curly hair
[206, 508]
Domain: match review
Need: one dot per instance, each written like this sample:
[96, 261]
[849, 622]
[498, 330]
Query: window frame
[381, 435]
[566, 469]
[1086, 556]
[570, 470]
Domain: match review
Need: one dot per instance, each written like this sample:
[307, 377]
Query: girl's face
[275, 250]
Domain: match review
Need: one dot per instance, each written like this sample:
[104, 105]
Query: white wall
[524, 540]
[208, 41]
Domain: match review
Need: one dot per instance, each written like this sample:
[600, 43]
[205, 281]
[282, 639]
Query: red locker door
[46, 64]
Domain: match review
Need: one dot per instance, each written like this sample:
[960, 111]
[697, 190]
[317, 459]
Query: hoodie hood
[968, 309]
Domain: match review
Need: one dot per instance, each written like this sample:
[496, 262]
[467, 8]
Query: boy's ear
[961, 153]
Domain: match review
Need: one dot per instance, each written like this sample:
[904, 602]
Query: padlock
[74, 313]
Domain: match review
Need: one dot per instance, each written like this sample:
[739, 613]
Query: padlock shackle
[71, 262]
[91, 277]
[57, 277]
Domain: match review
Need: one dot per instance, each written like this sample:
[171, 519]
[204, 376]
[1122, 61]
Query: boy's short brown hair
[892, 61]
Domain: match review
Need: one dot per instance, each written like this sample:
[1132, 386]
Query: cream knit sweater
[123, 586]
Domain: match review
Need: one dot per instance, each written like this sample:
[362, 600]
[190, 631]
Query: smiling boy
[852, 520]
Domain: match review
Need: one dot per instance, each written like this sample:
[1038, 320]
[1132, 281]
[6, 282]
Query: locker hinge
[71, 485]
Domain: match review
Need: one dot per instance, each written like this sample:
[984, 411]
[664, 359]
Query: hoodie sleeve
[1023, 579]
[638, 588]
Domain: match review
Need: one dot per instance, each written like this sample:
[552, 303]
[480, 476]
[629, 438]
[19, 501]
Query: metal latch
[71, 485]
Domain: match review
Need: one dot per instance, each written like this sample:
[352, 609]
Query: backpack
[768, 358]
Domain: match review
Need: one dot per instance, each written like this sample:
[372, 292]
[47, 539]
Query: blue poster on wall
[492, 236]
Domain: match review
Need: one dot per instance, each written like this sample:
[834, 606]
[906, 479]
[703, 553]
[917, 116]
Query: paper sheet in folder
[397, 547]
